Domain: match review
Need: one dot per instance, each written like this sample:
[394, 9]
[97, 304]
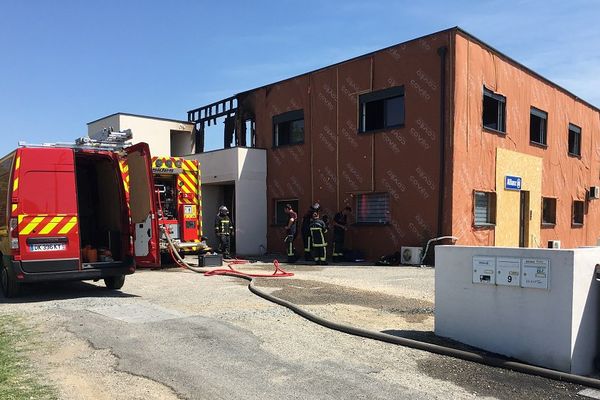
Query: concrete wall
[554, 328]
[247, 170]
[154, 131]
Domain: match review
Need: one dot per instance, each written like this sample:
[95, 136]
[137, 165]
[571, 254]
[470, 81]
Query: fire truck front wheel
[115, 282]
[10, 286]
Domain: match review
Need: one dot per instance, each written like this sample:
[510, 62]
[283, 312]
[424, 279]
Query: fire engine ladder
[106, 139]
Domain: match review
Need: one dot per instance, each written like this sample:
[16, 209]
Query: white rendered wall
[554, 328]
[154, 131]
[247, 170]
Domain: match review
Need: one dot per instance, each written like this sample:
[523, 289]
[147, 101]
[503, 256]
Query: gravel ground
[176, 334]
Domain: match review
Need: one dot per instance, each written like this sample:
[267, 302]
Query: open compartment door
[142, 204]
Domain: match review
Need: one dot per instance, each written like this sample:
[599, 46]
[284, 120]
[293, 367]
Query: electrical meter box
[508, 271]
[535, 273]
[484, 270]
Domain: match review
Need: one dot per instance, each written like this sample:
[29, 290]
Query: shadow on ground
[39, 292]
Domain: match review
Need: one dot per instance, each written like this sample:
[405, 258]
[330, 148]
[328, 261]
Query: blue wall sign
[512, 182]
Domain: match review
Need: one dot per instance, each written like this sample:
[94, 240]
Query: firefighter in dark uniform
[291, 230]
[318, 229]
[306, 219]
[340, 226]
[224, 230]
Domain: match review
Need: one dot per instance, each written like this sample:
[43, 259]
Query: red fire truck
[177, 184]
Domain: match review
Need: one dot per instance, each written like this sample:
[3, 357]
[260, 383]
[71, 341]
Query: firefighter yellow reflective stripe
[51, 225]
[31, 226]
[68, 226]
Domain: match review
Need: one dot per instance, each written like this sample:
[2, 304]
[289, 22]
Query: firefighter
[318, 229]
[224, 230]
[306, 219]
[290, 233]
[340, 226]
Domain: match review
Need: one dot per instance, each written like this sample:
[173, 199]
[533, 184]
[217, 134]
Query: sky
[65, 63]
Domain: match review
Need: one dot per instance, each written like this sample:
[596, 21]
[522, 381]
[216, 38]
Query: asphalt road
[176, 334]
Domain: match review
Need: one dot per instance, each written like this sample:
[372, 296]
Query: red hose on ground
[278, 273]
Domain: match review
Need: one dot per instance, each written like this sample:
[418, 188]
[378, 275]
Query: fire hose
[492, 361]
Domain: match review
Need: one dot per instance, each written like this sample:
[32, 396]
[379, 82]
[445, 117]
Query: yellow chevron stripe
[51, 225]
[191, 185]
[67, 228]
[192, 177]
[14, 207]
[31, 226]
[15, 184]
[21, 217]
[18, 162]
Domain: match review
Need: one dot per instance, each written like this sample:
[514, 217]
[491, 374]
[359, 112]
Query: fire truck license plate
[48, 247]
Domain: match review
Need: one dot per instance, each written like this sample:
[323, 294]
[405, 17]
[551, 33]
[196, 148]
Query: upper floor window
[538, 126]
[382, 109]
[288, 128]
[574, 140]
[494, 111]
[578, 211]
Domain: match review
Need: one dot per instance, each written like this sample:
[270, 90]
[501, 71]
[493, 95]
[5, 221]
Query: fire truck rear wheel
[10, 286]
[115, 282]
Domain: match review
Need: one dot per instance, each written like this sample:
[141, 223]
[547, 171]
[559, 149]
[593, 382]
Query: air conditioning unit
[411, 255]
[554, 244]
[594, 192]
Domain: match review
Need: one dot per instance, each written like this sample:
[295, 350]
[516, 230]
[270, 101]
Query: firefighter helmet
[223, 210]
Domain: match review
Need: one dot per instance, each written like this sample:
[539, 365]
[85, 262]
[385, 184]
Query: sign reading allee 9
[512, 182]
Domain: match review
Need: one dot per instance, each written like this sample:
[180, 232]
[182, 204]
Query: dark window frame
[575, 213]
[543, 127]
[280, 205]
[382, 222]
[548, 223]
[490, 209]
[576, 130]
[287, 118]
[384, 96]
[500, 111]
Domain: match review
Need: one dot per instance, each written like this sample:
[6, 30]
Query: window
[537, 126]
[5, 168]
[578, 206]
[548, 211]
[484, 209]
[381, 110]
[288, 128]
[281, 218]
[574, 140]
[373, 208]
[494, 111]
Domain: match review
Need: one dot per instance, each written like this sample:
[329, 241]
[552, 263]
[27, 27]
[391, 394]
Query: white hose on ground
[454, 238]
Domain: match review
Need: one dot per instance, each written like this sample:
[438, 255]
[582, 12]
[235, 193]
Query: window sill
[484, 226]
[548, 225]
[574, 225]
[492, 130]
[573, 155]
[388, 128]
[540, 145]
[287, 145]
